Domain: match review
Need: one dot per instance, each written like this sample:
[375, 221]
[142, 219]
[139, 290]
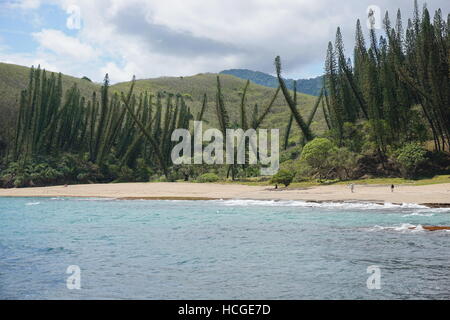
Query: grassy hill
[196, 86]
[14, 78]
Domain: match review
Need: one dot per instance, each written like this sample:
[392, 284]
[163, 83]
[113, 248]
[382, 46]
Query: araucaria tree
[398, 85]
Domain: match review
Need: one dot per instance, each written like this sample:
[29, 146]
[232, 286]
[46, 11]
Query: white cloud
[64, 45]
[153, 38]
[58, 52]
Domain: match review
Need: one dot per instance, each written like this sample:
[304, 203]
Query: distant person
[352, 188]
[392, 188]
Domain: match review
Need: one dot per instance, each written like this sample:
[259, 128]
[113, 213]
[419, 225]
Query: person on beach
[352, 187]
[392, 188]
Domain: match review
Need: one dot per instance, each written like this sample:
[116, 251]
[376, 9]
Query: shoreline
[433, 196]
[428, 205]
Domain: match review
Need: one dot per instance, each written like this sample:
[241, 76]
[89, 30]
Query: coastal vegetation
[383, 105]
[382, 113]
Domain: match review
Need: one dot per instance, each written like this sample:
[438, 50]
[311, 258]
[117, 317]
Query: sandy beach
[432, 195]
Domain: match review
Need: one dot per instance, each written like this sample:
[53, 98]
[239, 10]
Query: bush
[208, 177]
[45, 171]
[317, 154]
[409, 158]
[317, 150]
[345, 163]
[283, 177]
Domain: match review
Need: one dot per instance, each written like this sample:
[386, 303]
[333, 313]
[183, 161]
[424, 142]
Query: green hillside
[14, 78]
[196, 86]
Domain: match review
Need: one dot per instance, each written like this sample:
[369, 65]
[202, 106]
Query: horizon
[141, 38]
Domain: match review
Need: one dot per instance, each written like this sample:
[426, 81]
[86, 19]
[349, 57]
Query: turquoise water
[231, 249]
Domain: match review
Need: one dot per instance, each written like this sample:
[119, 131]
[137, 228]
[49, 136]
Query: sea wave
[32, 203]
[94, 199]
[418, 214]
[341, 205]
[410, 209]
[404, 227]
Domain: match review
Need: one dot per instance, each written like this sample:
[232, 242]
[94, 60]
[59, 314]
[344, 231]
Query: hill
[14, 78]
[307, 86]
[196, 86]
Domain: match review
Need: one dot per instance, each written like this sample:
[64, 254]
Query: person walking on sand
[352, 187]
[392, 188]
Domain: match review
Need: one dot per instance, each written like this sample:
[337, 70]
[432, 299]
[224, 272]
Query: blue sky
[17, 25]
[151, 38]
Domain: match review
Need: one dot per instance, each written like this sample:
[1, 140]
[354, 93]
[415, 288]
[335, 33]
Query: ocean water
[229, 249]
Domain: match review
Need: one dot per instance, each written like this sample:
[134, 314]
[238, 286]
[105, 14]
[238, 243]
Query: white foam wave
[418, 214]
[306, 204]
[32, 203]
[404, 227]
[94, 199]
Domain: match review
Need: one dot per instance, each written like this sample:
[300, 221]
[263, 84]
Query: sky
[153, 38]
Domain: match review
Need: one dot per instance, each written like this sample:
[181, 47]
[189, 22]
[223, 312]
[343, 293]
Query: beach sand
[437, 195]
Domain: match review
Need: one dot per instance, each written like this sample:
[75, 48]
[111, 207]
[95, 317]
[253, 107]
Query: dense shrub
[317, 155]
[409, 158]
[344, 163]
[208, 177]
[67, 169]
[283, 177]
[317, 151]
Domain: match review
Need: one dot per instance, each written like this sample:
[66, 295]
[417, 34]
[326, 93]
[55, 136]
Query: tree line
[381, 106]
[397, 83]
[64, 137]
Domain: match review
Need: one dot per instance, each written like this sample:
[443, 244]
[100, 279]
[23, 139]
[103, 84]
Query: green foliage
[121, 137]
[283, 177]
[50, 171]
[354, 135]
[388, 83]
[410, 157]
[292, 103]
[318, 151]
[291, 154]
[344, 163]
[322, 158]
[394, 92]
[208, 178]
[199, 85]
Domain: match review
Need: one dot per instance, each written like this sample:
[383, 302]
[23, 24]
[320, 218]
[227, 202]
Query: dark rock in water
[436, 205]
[433, 228]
